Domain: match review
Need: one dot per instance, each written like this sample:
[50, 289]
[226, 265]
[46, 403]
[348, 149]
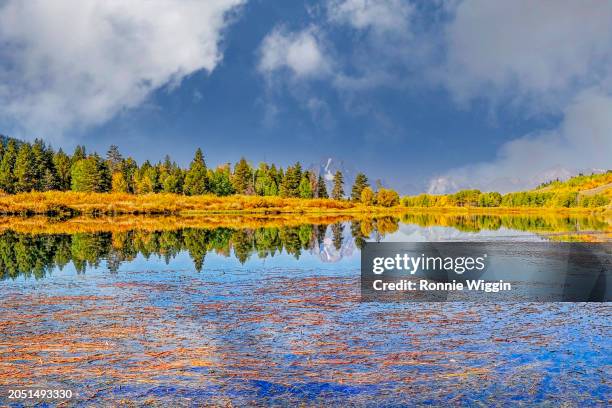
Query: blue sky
[423, 95]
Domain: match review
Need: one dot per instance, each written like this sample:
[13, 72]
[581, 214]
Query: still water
[271, 314]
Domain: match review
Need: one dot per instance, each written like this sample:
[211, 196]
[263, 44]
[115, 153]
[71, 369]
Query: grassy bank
[73, 203]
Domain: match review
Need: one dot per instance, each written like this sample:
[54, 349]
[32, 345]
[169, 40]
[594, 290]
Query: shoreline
[73, 204]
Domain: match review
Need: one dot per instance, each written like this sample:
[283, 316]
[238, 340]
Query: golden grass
[55, 202]
[123, 223]
[74, 203]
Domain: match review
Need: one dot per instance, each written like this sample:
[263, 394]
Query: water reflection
[35, 255]
[286, 333]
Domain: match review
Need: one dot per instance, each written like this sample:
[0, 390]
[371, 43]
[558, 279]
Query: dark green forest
[26, 167]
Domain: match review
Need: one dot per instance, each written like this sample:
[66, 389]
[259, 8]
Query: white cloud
[545, 56]
[379, 15]
[582, 142]
[549, 56]
[78, 63]
[544, 51]
[301, 53]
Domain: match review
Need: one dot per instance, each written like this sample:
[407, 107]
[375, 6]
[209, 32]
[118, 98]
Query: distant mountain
[327, 251]
[328, 166]
[451, 183]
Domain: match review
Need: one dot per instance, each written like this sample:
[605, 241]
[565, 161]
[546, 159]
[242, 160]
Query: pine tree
[49, 181]
[40, 165]
[321, 188]
[91, 175]
[105, 176]
[79, 154]
[173, 182]
[129, 173]
[338, 190]
[305, 189]
[196, 181]
[262, 179]
[291, 182]
[7, 176]
[25, 169]
[171, 177]
[361, 182]
[114, 159]
[337, 234]
[145, 179]
[242, 177]
[61, 163]
[221, 184]
[85, 175]
[275, 180]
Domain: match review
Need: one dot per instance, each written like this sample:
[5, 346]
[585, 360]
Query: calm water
[271, 315]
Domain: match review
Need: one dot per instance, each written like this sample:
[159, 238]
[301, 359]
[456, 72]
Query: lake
[162, 311]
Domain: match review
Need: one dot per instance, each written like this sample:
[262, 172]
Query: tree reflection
[35, 255]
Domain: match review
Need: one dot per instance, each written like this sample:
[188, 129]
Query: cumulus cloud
[546, 50]
[545, 56]
[300, 53]
[538, 58]
[78, 63]
[379, 15]
[582, 142]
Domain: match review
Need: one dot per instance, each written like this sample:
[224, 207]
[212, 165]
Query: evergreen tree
[44, 170]
[7, 176]
[173, 182]
[242, 178]
[337, 232]
[85, 175]
[79, 154]
[196, 181]
[221, 184]
[275, 180]
[61, 163]
[49, 181]
[305, 188]
[338, 190]
[361, 182]
[91, 175]
[129, 171]
[145, 179]
[170, 177]
[262, 179]
[25, 169]
[105, 175]
[114, 159]
[291, 182]
[321, 188]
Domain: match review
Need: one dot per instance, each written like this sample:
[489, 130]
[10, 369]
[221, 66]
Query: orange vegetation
[69, 202]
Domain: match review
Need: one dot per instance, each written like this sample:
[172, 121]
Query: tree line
[26, 167]
[477, 198]
[37, 255]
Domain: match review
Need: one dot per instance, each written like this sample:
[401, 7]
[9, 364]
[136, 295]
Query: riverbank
[74, 203]
[68, 204]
